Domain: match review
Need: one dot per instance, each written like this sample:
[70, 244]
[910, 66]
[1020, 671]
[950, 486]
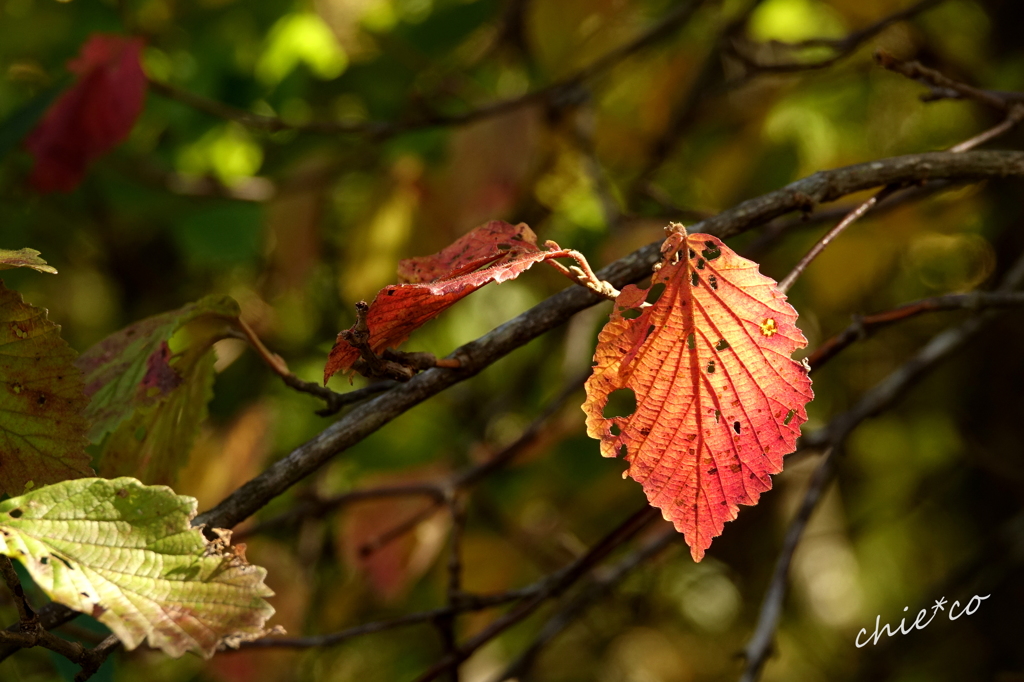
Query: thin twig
[833, 436]
[10, 576]
[914, 70]
[558, 94]
[864, 326]
[335, 401]
[1015, 114]
[370, 416]
[598, 588]
[446, 624]
[543, 589]
[842, 47]
[629, 528]
[848, 220]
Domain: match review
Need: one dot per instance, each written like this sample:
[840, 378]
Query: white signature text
[919, 622]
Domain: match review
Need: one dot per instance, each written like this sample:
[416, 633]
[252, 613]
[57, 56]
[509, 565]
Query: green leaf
[42, 430]
[24, 258]
[149, 396]
[126, 554]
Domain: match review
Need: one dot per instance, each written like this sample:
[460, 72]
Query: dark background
[299, 226]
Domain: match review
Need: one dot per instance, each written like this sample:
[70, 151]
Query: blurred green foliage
[298, 226]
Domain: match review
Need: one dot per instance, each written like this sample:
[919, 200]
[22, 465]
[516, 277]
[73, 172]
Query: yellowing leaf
[24, 258]
[719, 401]
[126, 554]
[42, 430]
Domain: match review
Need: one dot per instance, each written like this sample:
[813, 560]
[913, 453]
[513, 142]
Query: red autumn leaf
[93, 116]
[400, 309]
[719, 401]
[479, 247]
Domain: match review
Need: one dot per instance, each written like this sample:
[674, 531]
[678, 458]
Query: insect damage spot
[655, 292]
[711, 252]
[621, 403]
[691, 341]
[713, 281]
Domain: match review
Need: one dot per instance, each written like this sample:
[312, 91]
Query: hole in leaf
[714, 282]
[631, 313]
[789, 417]
[694, 279]
[615, 430]
[693, 254]
[722, 344]
[711, 252]
[736, 427]
[44, 560]
[691, 341]
[711, 367]
[621, 403]
[655, 292]
[700, 263]
[15, 513]
[504, 246]
[623, 451]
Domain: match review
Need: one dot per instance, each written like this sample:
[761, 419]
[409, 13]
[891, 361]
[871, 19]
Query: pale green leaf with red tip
[127, 555]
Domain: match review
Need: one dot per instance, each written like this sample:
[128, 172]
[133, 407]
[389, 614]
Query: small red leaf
[94, 115]
[479, 247]
[400, 309]
[719, 401]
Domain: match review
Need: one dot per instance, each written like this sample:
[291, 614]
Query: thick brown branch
[366, 418]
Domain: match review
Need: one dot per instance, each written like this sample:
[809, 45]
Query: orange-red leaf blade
[400, 309]
[719, 401]
[481, 246]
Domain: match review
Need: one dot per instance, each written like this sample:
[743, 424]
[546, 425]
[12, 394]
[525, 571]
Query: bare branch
[862, 327]
[842, 47]
[629, 528]
[558, 95]
[366, 418]
[832, 438]
[578, 605]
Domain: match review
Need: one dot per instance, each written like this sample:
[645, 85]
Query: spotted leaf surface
[400, 309]
[719, 400]
[42, 428]
[126, 554]
[483, 245]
